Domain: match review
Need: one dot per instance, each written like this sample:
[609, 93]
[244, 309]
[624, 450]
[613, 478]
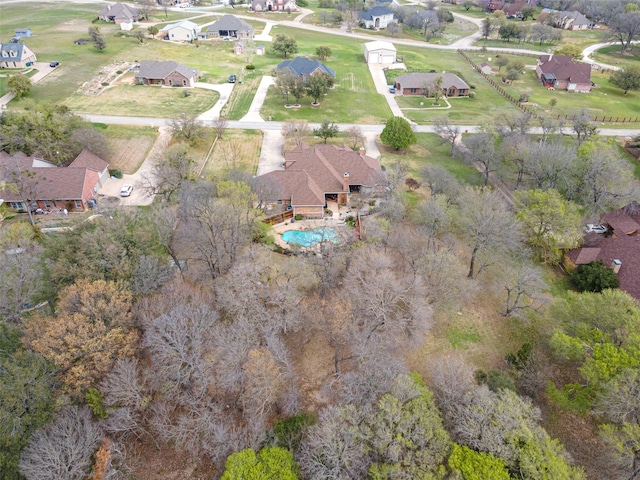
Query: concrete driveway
[138, 197]
[271, 154]
[224, 89]
[380, 81]
[253, 115]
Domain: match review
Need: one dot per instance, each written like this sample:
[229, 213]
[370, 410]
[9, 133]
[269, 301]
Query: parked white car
[185, 5]
[126, 190]
[593, 228]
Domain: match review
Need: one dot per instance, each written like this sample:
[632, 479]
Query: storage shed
[379, 52]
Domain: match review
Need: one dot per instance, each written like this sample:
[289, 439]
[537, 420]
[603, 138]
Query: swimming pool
[309, 238]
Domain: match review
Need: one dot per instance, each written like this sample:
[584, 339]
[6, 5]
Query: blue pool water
[309, 238]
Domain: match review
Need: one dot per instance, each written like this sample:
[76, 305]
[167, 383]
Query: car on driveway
[232, 79]
[592, 228]
[54, 64]
[392, 89]
[126, 190]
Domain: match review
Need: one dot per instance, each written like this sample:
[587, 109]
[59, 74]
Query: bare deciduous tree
[63, 448]
[447, 131]
[170, 169]
[356, 137]
[220, 124]
[187, 128]
[480, 150]
[297, 130]
[524, 288]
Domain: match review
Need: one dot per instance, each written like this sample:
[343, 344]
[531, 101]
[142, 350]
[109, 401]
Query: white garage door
[387, 59]
[374, 57]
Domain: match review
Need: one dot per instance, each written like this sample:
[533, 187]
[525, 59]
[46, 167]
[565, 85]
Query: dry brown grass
[237, 149]
[130, 153]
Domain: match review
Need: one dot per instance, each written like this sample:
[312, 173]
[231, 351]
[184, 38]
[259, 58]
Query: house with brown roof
[33, 182]
[119, 13]
[619, 249]
[313, 175]
[561, 73]
[168, 74]
[421, 83]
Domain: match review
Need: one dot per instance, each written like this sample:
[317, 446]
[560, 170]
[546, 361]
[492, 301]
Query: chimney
[362, 152]
[616, 264]
[345, 182]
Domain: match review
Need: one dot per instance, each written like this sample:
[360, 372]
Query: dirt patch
[129, 154]
[108, 75]
[148, 463]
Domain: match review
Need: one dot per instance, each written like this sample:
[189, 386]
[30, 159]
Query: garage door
[374, 57]
[387, 59]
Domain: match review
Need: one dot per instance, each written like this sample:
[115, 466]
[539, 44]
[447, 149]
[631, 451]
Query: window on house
[16, 205]
[47, 204]
[413, 90]
[78, 203]
[452, 91]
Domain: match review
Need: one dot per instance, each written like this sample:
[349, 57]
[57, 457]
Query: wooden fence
[278, 217]
[495, 85]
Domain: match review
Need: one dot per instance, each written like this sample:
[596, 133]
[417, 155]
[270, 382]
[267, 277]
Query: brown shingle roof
[315, 171]
[86, 159]
[563, 68]
[624, 221]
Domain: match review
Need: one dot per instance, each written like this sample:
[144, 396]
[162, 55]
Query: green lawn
[352, 100]
[3, 86]
[612, 56]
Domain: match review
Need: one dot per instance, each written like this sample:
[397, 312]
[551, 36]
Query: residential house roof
[22, 30]
[577, 17]
[14, 51]
[119, 10]
[159, 70]
[50, 182]
[314, 171]
[623, 245]
[186, 24]
[379, 45]
[379, 11]
[563, 68]
[302, 66]
[230, 22]
[419, 80]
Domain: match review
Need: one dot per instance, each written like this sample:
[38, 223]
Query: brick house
[119, 13]
[168, 74]
[47, 186]
[313, 175]
[273, 6]
[559, 72]
[417, 83]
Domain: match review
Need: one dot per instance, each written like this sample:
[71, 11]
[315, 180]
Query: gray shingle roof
[375, 12]
[159, 70]
[303, 66]
[119, 10]
[419, 80]
[230, 22]
[18, 50]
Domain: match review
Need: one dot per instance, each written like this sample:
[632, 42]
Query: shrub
[472, 94]
[496, 380]
[186, 93]
[119, 72]
[298, 217]
[115, 173]
[251, 66]
[472, 86]
[328, 211]
[105, 84]
[302, 3]
[594, 277]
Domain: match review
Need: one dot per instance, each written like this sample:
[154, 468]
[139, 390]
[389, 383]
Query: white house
[376, 18]
[184, 31]
[379, 52]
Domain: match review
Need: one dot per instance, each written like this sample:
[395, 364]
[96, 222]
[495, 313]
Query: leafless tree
[170, 169]
[146, 8]
[524, 287]
[21, 279]
[515, 124]
[582, 126]
[332, 449]
[442, 273]
[24, 182]
[440, 181]
[451, 380]
[220, 124]
[297, 130]
[187, 128]
[549, 127]
[63, 448]
[356, 137]
[230, 151]
[165, 220]
[480, 150]
[94, 141]
[446, 131]
[488, 226]
[619, 402]
[548, 165]
[150, 274]
[514, 150]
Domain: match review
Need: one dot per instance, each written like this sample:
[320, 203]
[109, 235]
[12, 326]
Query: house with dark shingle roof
[376, 17]
[119, 13]
[559, 72]
[168, 74]
[313, 175]
[22, 32]
[618, 249]
[230, 26]
[419, 83]
[303, 67]
[16, 55]
[571, 20]
[48, 186]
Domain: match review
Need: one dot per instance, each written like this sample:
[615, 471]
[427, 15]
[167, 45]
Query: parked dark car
[232, 79]
[54, 64]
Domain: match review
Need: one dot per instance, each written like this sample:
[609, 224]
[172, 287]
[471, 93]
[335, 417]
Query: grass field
[611, 56]
[236, 150]
[130, 145]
